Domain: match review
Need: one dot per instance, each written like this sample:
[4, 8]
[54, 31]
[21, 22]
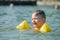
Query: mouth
[34, 24]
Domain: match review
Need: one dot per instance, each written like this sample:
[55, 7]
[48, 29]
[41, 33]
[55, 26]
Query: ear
[44, 19]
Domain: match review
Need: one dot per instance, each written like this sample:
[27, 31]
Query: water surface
[10, 17]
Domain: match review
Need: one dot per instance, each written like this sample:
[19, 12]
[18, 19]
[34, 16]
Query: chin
[34, 25]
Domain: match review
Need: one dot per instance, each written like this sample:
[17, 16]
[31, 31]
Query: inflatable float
[25, 26]
[45, 28]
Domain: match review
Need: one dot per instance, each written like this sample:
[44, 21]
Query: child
[38, 21]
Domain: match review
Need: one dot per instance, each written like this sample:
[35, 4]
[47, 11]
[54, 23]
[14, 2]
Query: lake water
[10, 17]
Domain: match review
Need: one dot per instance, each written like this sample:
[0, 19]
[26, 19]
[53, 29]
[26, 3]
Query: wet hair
[40, 13]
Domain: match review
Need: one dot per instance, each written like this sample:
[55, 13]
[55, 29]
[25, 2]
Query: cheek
[36, 20]
[39, 22]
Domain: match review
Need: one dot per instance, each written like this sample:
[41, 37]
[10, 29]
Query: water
[10, 17]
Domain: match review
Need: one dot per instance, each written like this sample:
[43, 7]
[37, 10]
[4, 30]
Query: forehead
[34, 15]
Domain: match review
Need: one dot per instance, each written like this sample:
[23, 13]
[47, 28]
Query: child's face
[37, 21]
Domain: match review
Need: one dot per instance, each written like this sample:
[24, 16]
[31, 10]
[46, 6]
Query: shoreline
[48, 3]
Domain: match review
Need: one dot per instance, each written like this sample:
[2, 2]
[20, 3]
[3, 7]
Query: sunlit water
[10, 17]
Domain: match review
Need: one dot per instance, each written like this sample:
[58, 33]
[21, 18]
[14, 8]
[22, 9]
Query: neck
[37, 28]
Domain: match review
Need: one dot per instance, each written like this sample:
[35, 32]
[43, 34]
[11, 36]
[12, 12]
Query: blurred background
[13, 12]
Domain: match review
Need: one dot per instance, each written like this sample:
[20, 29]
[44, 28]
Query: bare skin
[37, 21]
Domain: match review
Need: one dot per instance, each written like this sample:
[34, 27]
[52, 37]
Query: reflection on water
[11, 17]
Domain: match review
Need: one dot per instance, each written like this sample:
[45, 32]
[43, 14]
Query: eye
[36, 20]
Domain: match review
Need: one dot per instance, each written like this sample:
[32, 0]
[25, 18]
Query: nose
[33, 21]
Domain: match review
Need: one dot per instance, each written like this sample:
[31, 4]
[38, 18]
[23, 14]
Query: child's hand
[36, 29]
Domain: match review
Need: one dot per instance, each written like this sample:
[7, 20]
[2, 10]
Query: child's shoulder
[45, 28]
